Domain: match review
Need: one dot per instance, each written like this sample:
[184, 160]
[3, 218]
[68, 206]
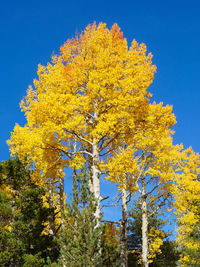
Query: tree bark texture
[123, 231]
[96, 179]
[61, 195]
[145, 246]
[52, 215]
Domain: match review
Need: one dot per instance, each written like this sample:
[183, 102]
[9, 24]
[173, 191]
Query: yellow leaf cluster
[150, 147]
[111, 234]
[156, 237]
[95, 89]
[187, 199]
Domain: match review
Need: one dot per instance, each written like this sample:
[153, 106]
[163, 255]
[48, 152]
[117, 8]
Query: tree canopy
[91, 108]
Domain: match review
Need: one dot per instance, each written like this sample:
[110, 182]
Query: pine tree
[111, 245]
[23, 218]
[158, 240]
[79, 238]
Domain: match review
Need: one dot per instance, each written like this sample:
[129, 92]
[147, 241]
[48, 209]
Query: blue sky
[32, 30]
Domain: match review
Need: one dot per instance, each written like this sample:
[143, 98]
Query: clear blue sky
[31, 31]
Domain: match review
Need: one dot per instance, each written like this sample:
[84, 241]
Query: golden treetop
[95, 88]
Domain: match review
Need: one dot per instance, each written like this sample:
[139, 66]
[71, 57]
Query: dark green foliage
[22, 241]
[33, 260]
[5, 209]
[29, 225]
[80, 238]
[14, 173]
[11, 249]
[167, 258]
[110, 249]
[135, 226]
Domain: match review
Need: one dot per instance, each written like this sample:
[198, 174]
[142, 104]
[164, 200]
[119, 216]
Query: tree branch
[128, 197]
[112, 222]
[149, 193]
[104, 198]
[159, 206]
[78, 136]
[109, 142]
[107, 152]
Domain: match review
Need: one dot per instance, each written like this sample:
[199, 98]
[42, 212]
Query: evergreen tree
[169, 256]
[23, 218]
[110, 245]
[162, 257]
[80, 237]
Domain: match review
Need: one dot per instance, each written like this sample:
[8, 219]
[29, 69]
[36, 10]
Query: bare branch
[107, 152]
[159, 206]
[83, 151]
[102, 140]
[128, 197]
[84, 112]
[154, 188]
[112, 222]
[78, 136]
[56, 231]
[56, 148]
[113, 138]
[109, 107]
[104, 198]
[109, 205]
[151, 178]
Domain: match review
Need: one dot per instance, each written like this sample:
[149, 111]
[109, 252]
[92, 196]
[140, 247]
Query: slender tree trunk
[145, 246]
[95, 169]
[90, 182]
[96, 180]
[52, 215]
[123, 231]
[75, 193]
[61, 195]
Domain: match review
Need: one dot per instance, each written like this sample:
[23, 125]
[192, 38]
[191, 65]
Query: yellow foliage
[8, 228]
[94, 90]
[50, 201]
[156, 237]
[111, 234]
[6, 188]
[187, 197]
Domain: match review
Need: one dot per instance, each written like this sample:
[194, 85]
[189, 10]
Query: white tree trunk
[75, 176]
[145, 246]
[52, 216]
[123, 231]
[96, 179]
[95, 169]
[90, 172]
[61, 194]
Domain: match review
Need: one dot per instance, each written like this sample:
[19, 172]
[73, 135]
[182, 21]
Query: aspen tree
[149, 163]
[123, 230]
[87, 93]
[187, 203]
